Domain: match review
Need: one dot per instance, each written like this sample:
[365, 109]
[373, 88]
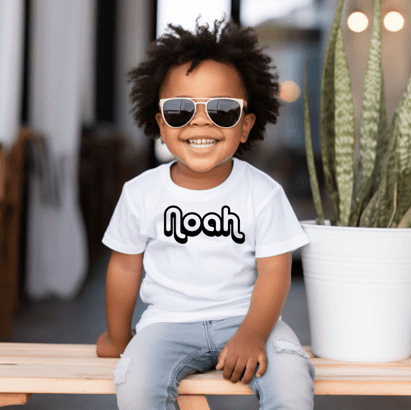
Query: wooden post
[2, 173]
[192, 402]
[11, 189]
[8, 399]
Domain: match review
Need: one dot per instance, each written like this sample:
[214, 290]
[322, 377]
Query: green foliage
[382, 197]
[310, 158]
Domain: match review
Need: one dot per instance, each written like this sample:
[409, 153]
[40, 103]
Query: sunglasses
[223, 112]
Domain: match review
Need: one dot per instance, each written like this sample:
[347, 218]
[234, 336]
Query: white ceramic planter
[358, 285]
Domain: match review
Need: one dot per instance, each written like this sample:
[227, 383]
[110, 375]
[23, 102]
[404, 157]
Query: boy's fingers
[229, 367]
[249, 371]
[262, 360]
[238, 370]
[222, 358]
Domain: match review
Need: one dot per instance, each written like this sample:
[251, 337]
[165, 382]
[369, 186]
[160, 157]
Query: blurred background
[68, 143]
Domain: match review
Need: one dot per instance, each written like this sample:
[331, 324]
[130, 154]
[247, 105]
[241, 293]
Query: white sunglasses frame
[243, 104]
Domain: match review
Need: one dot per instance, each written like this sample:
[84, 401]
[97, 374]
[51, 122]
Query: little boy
[213, 233]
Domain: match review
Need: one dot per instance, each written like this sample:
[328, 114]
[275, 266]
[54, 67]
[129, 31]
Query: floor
[83, 319]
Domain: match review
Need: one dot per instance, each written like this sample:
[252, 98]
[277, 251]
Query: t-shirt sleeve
[123, 232]
[277, 228]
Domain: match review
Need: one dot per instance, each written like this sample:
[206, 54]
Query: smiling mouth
[202, 143]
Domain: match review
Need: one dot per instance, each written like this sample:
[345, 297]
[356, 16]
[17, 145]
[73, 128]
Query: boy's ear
[160, 122]
[248, 123]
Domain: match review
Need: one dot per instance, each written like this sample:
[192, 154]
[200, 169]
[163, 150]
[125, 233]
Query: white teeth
[202, 143]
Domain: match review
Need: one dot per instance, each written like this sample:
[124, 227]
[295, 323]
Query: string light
[357, 22]
[393, 21]
[289, 91]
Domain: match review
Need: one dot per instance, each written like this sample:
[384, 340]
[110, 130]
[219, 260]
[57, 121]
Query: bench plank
[47, 350]
[76, 369]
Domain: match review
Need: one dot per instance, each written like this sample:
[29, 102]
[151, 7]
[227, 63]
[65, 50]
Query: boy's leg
[154, 362]
[288, 383]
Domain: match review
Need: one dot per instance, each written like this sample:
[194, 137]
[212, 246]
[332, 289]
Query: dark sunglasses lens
[178, 112]
[224, 112]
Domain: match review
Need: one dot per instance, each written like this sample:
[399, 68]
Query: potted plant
[357, 267]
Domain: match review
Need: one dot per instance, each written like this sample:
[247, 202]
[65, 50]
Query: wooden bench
[27, 368]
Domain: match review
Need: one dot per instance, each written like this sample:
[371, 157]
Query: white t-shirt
[200, 246]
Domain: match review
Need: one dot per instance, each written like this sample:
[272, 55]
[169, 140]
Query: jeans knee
[122, 369]
[290, 346]
[288, 383]
[140, 396]
[138, 390]
[126, 395]
[285, 345]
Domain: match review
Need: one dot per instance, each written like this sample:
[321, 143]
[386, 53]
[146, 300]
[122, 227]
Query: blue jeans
[161, 354]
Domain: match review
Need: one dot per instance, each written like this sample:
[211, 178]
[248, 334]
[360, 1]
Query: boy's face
[208, 80]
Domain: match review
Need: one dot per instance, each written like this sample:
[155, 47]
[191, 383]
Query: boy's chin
[204, 167]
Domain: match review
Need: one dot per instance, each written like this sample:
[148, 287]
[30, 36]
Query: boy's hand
[107, 348]
[241, 354]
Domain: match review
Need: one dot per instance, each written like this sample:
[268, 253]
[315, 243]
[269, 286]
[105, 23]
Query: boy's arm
[122, 287]
[247, 347]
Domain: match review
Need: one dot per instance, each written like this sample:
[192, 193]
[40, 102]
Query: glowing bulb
[393, 21]
[357, 21]
[289, 91]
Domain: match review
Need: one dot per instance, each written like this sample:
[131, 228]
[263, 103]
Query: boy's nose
[200, 117]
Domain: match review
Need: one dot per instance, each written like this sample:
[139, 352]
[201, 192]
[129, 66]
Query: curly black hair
[235, 45]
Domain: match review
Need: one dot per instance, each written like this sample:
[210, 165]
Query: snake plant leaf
[404, 195]
[310, 156]
[389, 184]
[369, 114]
[404, 126]
[392, 203]
[400, 134]
[406, 220]
[328, 112]
[344, 131]
[368, 217]
[381, 210]
[404, 155]
[384, 136]
[371, 216]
